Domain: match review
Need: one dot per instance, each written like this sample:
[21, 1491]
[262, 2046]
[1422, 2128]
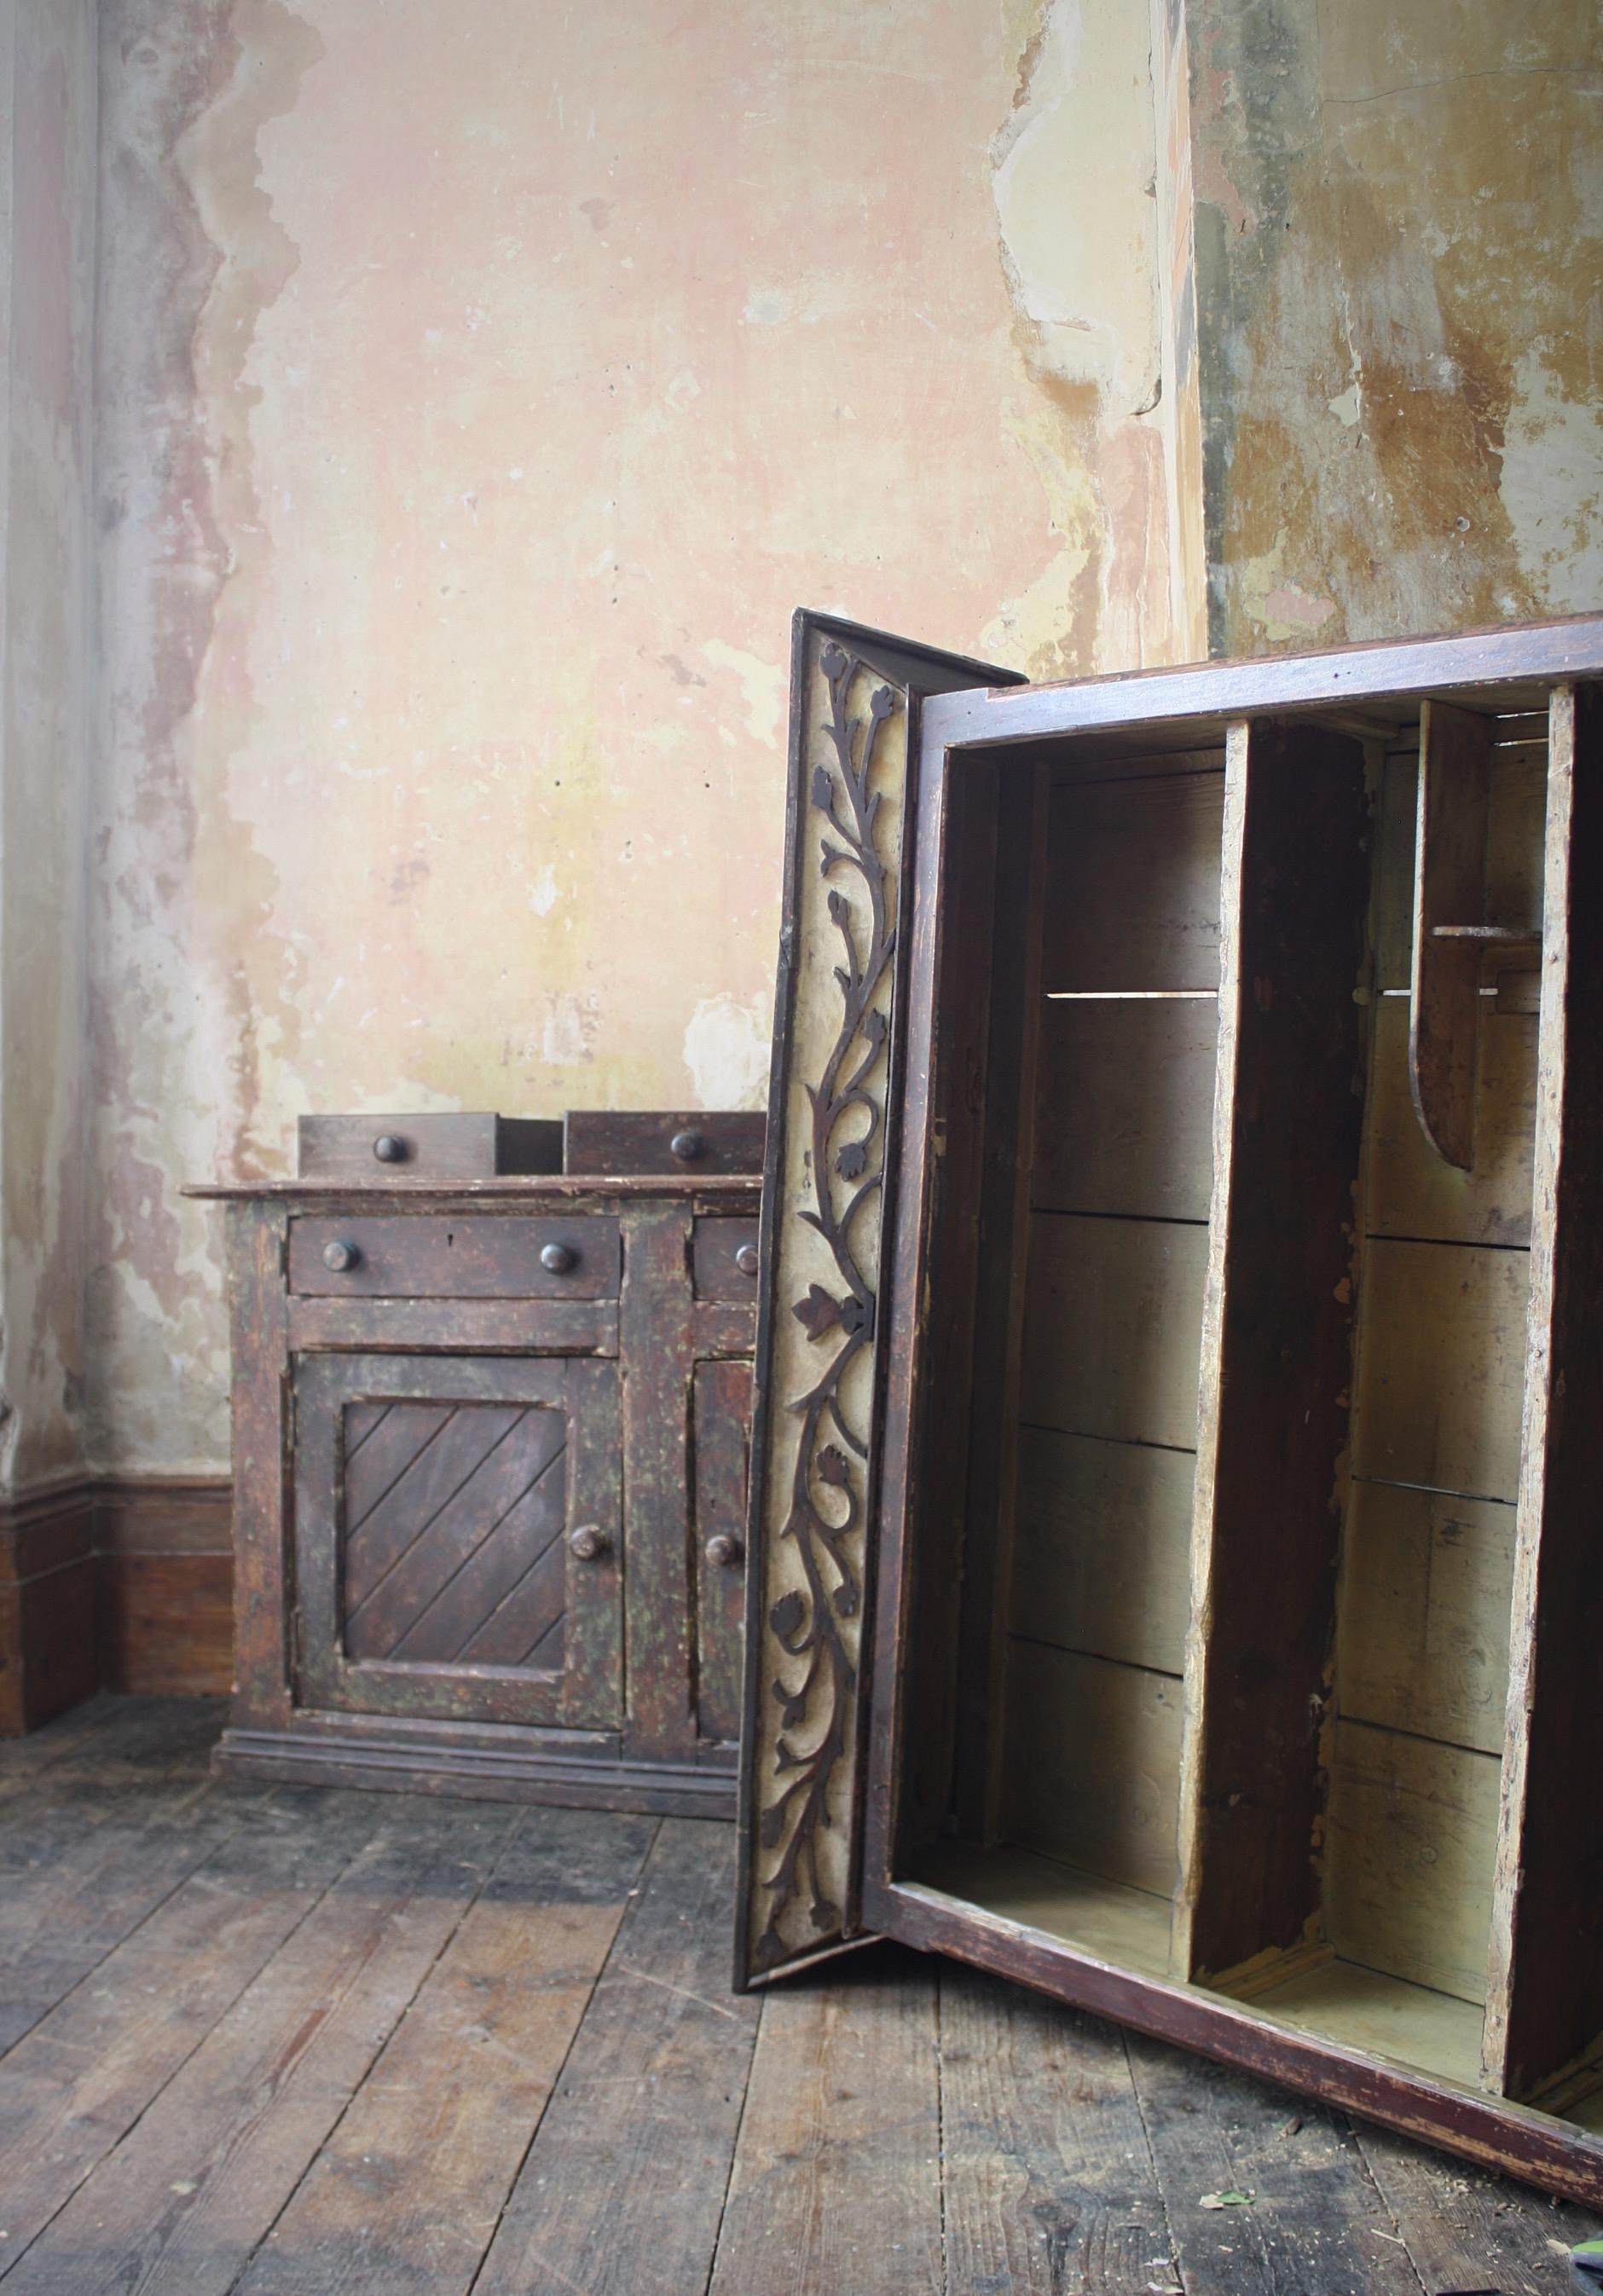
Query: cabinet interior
[1213, 1597]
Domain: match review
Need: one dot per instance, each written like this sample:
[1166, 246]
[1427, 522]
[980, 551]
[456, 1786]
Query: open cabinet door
[833, 1106]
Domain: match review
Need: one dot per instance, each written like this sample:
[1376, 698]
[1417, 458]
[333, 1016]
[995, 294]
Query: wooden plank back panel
[1124, 1111]
[1094, 1777]
[1441, 1367]
[1545, 1999]
[1422, 1643]
[1102, 1547]
[1413, 1192]
[1132, 875]
[1407, 1878]
[1276, 1348]
[1516, 801]
[1113, 1319]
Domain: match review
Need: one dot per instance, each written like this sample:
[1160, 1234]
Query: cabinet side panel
[1277, 1351]
[261, 1466]
[1545, 1999]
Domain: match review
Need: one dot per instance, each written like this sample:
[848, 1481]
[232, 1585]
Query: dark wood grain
[1276, 1361]
[409, 2188]
[715, 1247]
[615, 1142]
[84, 2073]
[1512, 665]
[445, 1146]
[623, 2186]
[478, 1256]
[1048, 2176]
[1313, 2224]
[355, 2118]
[657, 1342]
[839, 2160]
[181, 2203]
[47, 1582]
[722, 1434]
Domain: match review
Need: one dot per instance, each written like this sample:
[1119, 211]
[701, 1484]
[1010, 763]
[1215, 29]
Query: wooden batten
[1449, 893]
[1276, 1360]
[1544, 2008]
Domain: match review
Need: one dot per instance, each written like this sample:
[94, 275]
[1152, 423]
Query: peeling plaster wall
[477, 397]
[47, 202]
[1399, 217]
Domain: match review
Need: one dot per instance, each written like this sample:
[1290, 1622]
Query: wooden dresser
[490, 1451]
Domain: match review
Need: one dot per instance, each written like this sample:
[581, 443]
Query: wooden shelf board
[1109, 1919]
[1387, 2016]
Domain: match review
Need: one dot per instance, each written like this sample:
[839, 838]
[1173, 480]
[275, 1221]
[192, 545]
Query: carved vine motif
[810, 1623]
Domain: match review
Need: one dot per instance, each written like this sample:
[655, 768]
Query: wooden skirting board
[114, 1582]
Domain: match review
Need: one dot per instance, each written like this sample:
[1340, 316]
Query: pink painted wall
[477, 400]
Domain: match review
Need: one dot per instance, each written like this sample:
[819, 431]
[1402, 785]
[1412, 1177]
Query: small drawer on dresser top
[375, 1151]
[436, 1255]
[723, 1259]
[697, 1143]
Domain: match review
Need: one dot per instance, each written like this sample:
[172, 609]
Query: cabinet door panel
[437, 1504]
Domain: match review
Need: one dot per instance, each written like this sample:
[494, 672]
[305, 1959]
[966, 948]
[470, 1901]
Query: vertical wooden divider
[1276, 1348]
[1006, 1156]
[963, 914]
[1544, 2004]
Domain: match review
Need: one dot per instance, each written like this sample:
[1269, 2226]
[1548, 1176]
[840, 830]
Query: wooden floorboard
[1050, 2181]
[623, 2187]
[407, 2193]
[182, 2202]
[837, 2178]
[310, 2042]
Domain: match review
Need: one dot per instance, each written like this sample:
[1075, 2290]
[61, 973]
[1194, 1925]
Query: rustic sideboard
[489, 1454]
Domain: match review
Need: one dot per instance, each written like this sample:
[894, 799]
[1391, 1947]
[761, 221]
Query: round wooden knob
[589, 1543]
[722, 1551]
[745, 1259]
[389, 1148]
[690, 1147]
[556, 1259]
[338, 1257]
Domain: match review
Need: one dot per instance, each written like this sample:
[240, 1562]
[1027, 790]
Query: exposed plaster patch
[543, 893]
[1280, 610]
[1551, 485]
[726, 1052]
[571, 1024]
[761, 686]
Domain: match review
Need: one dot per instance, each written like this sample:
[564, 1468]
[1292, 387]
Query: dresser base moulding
[520, 1769]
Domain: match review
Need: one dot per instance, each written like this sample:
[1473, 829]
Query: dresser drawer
[723, 1259]
[477, 1255]
[695, 1143]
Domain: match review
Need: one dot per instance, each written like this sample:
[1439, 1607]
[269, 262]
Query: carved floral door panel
[855, 697]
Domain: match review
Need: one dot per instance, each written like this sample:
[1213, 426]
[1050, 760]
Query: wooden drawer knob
[745, 1259]
[690, 1147]
[722, 1551]
[557, 1259]
[340, 1258]
[589, 1543]
[389, 1148]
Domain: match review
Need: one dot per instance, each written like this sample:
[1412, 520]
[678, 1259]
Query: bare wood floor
[294, 2041]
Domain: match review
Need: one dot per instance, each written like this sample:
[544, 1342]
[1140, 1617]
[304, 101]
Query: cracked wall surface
[474, 408]
[1399, 233]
